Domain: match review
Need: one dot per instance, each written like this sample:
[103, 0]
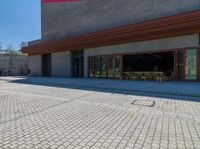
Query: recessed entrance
[150, 66]
[77, 64]
[46, 65]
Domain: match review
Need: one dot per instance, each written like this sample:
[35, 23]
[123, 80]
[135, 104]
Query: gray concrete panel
[61, 64]
[35, 65]
[68, 19]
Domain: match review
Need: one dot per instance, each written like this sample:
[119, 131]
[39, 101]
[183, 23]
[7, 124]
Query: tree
[10, 49]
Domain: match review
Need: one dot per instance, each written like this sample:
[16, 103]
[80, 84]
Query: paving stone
[37, 116]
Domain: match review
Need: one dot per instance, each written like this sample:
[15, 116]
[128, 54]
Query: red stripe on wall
[54, 1]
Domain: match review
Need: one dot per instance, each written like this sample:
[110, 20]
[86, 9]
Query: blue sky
[19, 21]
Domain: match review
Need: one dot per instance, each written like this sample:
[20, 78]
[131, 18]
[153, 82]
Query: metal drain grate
[145, 103]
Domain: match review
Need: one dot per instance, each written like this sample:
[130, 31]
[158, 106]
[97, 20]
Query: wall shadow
[29, 81]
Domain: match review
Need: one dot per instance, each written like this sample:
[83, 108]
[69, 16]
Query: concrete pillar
[61, 64]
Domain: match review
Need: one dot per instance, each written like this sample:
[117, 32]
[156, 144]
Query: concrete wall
[73, 18]
[153, 45]
[61, 64]
[35, 65]
[13, 64]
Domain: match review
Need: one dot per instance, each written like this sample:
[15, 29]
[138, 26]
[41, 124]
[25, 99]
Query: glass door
[117, 72]
[97, 66]
[191, 64]
[179, 65]
[77, 64]
[103, 67]
[91, 67]
[110, 67]
[46, 65]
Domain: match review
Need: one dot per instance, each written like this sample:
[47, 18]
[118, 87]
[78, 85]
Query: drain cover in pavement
[146, 103]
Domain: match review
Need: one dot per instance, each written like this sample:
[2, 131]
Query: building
[124, 39]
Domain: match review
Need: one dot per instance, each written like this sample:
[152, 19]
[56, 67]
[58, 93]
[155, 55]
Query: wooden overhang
[171, 26]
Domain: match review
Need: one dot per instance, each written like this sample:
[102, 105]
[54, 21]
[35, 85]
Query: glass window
[103, 66]
[191, 64]
[117, 66]
[91, 66]
[97, 66]
[110, 67]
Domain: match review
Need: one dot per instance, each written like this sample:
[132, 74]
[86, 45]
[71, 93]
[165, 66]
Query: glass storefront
[191, 64]
[104, 66]
[164, 66]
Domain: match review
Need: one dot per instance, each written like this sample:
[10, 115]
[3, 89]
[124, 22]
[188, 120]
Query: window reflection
[91, 66]
[97, 66]
[117, 66]
[110, 67]
[191, 64]
[104, 66]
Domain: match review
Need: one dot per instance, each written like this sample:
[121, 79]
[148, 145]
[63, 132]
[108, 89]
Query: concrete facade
[73, 18]
[68, 19]
[61, 64]
[35, 65]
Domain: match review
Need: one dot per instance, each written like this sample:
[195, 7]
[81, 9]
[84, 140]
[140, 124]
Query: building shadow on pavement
[180, 91]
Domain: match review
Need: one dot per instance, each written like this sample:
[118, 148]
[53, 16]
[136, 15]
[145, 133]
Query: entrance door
[105, 66]
[179, 65]
[113, 67]
[46, 65]
[110, 67]
[191, 64]
[77, 64]
[186, 65]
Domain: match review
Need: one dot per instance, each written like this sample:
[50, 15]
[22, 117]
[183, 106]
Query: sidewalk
[169, 88]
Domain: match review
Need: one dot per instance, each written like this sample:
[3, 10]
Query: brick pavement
[36, 116]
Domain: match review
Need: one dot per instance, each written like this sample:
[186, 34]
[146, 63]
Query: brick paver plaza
[39, 116]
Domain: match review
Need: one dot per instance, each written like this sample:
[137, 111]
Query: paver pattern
[37, 116]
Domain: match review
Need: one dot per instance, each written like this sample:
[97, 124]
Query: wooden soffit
[172, 26]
